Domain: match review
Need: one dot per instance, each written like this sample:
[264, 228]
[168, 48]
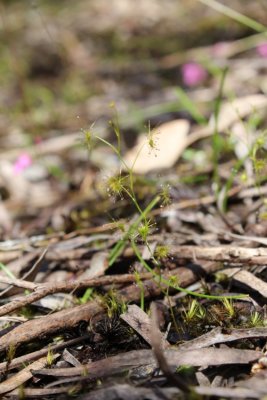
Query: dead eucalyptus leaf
[142, 324]
[243, 140]
[233, 111]
[135, 358]
[248, 279]
[24, 375]
[230, 112]
[169, 141]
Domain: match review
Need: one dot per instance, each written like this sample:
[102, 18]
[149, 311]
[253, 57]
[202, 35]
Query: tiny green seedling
[86, 296]
[113, 304]
[11, 351]
[195, 311]
[191, 313]
[21, 394]
[229, 307]
[49, 357]
[256, 319]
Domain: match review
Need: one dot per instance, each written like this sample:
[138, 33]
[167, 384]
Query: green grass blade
[235, 15]
[216, 139]
[189, 106]
[6, 271]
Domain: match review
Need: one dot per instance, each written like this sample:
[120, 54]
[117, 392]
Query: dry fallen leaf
[248, 279]
[24, 375]
[237, 109]
[230, 112]
[132, 359]
[243, 139]
[217, 335]
[142, 324]
[169, 139]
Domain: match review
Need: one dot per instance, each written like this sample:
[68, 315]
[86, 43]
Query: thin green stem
[176, 287]
[7, 271]
[235, 15]
[238, 165]
[171, 311]
[116, 127]
[133, 198]
[216, 134]
[116, 151]
[119, 247]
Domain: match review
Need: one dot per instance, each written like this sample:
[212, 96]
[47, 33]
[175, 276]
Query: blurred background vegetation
[62, 63]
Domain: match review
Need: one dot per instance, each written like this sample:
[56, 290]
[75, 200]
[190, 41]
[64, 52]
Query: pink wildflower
[193, 74]
[22, 162]
[262, 49]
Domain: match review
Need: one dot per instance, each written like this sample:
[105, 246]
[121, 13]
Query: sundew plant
[122, 185]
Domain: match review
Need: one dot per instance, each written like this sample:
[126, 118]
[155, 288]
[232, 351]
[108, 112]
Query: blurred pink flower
[193, 74]
[262, 49]
[22, 162]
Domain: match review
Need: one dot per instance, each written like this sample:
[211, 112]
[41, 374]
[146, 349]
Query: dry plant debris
[133, 182]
